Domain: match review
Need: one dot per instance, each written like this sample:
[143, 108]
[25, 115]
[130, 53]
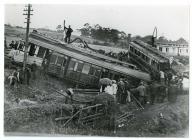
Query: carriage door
[60, 64]
[57, 64]
[64, 63]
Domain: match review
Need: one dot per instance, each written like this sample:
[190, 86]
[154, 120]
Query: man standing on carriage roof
[68, 34]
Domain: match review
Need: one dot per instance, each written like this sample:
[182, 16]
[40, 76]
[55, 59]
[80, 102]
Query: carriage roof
[58, 43]
[149, 51]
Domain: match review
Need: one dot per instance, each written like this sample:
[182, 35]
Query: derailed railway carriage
[148, 57]
[76, 64]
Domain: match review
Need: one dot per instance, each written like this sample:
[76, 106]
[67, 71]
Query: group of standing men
[165, 77]
[120, 90]
[16, 45]
[126, 93]
[145, 92]
[123, 91]
[20, 76]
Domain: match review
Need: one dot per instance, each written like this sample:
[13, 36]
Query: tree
[148, 39]
[85, 31]
[102, 33]
[181, 41]
[163, 39]
[114, 35]
[138, 37]
[122, 35]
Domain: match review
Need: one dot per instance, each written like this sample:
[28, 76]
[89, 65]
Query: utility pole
[28, 14]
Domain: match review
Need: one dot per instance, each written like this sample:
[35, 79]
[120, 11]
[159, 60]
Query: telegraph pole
[28, 14]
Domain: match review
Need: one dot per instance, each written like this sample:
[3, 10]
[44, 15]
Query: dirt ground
[148, 122]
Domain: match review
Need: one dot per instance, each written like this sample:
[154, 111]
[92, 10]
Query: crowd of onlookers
[16, 45]
[26, 75]
[145, 92]
[22, 76]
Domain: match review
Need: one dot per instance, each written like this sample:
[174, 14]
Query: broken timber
[71, 118]
[137, 101]
[85, 119]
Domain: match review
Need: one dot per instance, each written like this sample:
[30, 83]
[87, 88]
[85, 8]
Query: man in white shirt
[114, 88]
[109, 89]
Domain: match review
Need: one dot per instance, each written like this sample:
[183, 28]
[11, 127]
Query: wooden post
[27, 34]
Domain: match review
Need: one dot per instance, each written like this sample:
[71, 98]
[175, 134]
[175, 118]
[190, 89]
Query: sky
[171, 21]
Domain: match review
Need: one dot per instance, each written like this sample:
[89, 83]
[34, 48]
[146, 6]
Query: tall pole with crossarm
[28, 14]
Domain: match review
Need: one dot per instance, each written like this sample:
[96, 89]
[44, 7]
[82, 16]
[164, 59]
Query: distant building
[173, 48]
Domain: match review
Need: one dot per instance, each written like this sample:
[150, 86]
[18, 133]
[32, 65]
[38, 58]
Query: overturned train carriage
[79, 65]
[148, 57]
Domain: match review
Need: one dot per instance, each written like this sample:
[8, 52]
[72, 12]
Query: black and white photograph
[97, 70]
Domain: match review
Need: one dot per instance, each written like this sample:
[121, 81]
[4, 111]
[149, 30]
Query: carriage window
[131, 67]
[110, 76]
[41, 52]
[167, 49]
[32, 49]
[80, 66]
[138, 53]
[147, 59]
[97, 72]
[105, 73]
[53, 59]
[71, 65]
[92, 71]
[47, 53]
[86, 68]
[143, 56]
[154, 62]
[131, 48]
[160, 48]
[59, 60]
[75, 67]
[64, 61]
